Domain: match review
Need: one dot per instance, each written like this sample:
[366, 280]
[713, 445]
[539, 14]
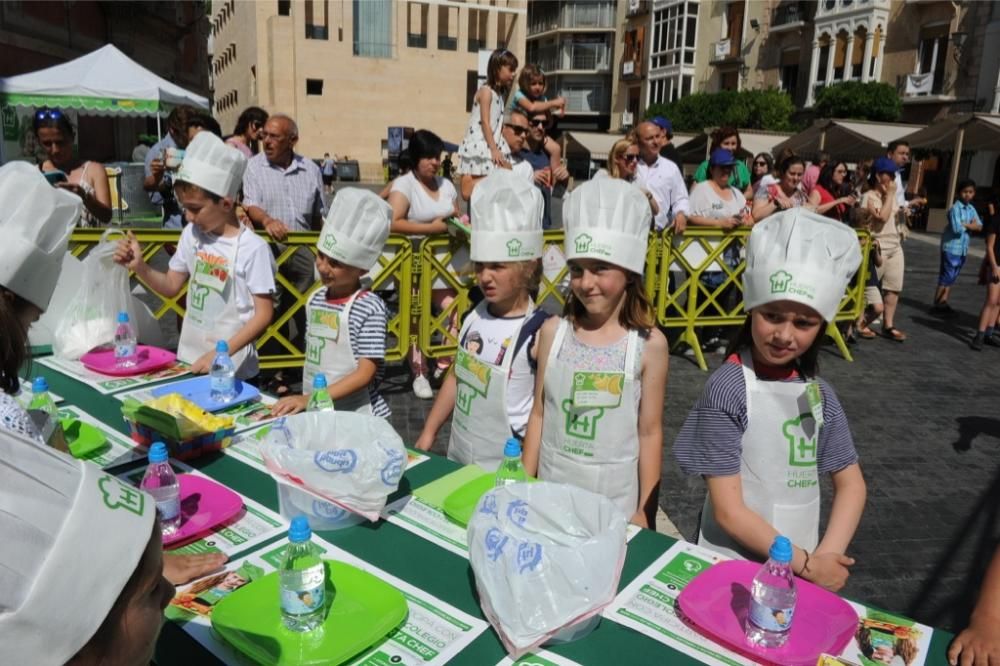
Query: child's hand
[978, 645]
[424, 443]
[203, 364]
[639, 518]
[180, 569]
[129, 253]
[498, 159]
[828, 570]
[289, 405]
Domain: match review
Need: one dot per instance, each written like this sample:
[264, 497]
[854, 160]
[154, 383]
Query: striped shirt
[293, 195]
[367, 327]
[710, 441]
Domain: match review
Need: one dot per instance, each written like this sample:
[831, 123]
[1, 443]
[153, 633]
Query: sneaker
[977, 342]
[422, 388]
[992, 340]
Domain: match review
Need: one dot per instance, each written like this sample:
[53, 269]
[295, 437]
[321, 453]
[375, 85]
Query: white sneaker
[422, 388]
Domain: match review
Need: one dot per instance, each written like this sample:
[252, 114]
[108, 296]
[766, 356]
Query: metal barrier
[694, 280]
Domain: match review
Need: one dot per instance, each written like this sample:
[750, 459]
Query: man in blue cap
[668, 150]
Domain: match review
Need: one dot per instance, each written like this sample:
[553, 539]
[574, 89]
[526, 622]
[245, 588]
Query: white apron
[590, 434]
[212, 314]
[778, 467]
[479, 425]
[328, 351]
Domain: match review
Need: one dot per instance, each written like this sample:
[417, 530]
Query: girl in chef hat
[765, 427]
[596, 421]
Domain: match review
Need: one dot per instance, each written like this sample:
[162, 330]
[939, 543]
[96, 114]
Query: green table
[415, 560]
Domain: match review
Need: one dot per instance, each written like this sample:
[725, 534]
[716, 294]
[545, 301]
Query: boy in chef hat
[56, 514]
[346, 323]
[228, 268]
[36, 220]
[596, 421]
[493, 382]
[765, 427]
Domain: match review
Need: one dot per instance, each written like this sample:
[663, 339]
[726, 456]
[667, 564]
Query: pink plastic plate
[715, 603]
[204, 505]
[149, 359]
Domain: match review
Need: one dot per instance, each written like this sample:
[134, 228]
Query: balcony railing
[572, 56]
[787, 15]
[574, 15]
[592, 99]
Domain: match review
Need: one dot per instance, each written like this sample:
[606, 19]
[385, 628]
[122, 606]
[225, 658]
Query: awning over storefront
[846, 139]
[759, 141]
[962, 131]
[598, 144]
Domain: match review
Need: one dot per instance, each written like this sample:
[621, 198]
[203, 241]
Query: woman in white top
[88, 180]
[421, 202]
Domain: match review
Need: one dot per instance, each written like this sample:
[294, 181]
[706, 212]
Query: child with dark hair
[765, 427]
[962, 218]
[530, 97]
[484, 149]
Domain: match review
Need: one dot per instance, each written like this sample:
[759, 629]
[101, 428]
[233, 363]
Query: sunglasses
[48, 114]
[760, 163]
[541, 122]
[518, 130]
[629, 157]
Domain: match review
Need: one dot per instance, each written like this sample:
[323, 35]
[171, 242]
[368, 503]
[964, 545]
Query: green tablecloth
[415, 560]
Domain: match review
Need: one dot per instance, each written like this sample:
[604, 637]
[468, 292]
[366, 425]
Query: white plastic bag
[353, 460]
[547, 559]
[90, 319]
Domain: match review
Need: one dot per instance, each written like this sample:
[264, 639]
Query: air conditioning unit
[627, 119]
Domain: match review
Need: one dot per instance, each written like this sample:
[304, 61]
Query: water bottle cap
[39, 385]
[221, 347]
[158, 452]
[299, 530]
[781, 550]
[512, 449]
[122, 317]
[319, 381]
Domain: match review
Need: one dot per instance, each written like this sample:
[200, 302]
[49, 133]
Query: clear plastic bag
[353, 460]
[91, 317]
[547, 559]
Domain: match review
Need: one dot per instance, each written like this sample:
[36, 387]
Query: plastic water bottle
[41, 400]
[319, 400]
[303, 580]
[511, 470]
[161, 482]
[124, 342]
[223, 381]
[772, 600]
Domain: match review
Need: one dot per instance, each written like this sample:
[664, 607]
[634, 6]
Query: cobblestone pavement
[925, 420]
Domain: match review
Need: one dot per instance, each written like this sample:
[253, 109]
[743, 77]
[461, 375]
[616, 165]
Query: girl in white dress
[484, 147]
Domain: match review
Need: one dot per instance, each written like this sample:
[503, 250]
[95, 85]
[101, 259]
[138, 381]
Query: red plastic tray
[715, 603]
[148, 360]
[204, 505]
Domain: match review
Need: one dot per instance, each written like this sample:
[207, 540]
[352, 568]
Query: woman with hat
[881, 201]
[765, 427]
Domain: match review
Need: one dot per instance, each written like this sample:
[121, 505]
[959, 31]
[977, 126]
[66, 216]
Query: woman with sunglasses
[832, 193]
[761, 168]
[64, 169]
[248, 130]
[623, 162]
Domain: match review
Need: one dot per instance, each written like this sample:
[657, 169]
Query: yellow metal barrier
[694, 280]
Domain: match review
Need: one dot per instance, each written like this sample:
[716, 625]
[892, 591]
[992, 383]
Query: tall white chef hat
[797, 255]
[356, 228]
[36, 220]
[213, 166]
[608, 218]
[72, 537]
[507, 214]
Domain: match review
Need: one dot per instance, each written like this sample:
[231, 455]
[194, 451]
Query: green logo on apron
[314, 349]
[198, 294]
[801, 444]
[581, 424]
[473, 379]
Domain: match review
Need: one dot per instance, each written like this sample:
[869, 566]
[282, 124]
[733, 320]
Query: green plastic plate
[461, 504]
[360, 611]
[82, 438]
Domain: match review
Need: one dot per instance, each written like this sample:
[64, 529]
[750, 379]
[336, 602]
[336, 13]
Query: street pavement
[925, 420]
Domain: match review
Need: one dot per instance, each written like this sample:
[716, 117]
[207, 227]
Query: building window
[931, 55]
[789, 71]
[284, 7]
[675, 31]
[632, 55]
[317, 26]
[447, 28]
[416, 24]
[314, 86]
[477, 30]
[373, 28]
[505, 29]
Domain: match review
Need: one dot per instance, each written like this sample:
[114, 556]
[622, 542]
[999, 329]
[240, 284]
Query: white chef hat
[36, 220]
[507, 214]
[356, 228]
[213, 166]
[72, 537]
[608, 218]
[797, 255]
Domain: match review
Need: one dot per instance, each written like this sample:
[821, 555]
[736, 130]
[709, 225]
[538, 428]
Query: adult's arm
[401, 224]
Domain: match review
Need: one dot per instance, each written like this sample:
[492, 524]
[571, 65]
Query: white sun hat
[608, 219]
[213, 166]
[800, 256]
[507, 214]
[36, 220]
[73, 536]
[356, 228]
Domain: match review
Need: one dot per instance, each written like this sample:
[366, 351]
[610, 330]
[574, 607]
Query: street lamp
[958, 39]
[744, 71]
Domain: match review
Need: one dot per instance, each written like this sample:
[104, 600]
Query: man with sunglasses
[534, 152]
[515, 133]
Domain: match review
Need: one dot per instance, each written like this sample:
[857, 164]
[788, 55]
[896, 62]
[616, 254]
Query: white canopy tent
[962, 131]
